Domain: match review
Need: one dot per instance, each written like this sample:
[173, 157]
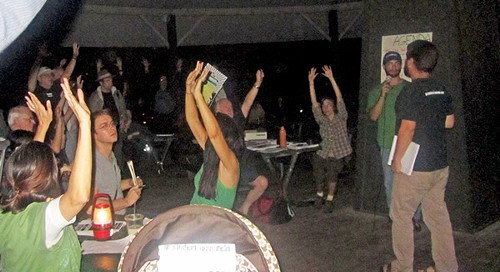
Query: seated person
[107, 176]
[35, 217]
[250, 179]
[218, 136]
[21, 118]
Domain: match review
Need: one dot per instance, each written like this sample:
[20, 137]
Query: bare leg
[331, 188]
[259, 186]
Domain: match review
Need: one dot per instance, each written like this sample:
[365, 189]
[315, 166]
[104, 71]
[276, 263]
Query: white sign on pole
[398, 44]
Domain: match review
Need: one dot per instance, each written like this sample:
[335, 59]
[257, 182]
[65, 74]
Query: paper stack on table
[84, 227]
[292, 145]
[261, 145]
[105, 247]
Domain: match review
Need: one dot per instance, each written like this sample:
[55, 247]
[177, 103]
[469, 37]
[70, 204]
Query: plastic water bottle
[282, 139]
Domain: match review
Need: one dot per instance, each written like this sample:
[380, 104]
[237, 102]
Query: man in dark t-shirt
[48, 88]
[423, 113]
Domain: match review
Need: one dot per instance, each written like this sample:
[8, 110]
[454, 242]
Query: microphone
[388, 79]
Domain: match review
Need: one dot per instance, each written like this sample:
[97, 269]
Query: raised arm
[229, 176]
[32, 80]
[312, 91]
[43, 114]
[72, 63]
[78, 193]
[252, 93]
[58, 142]
[192, 117]
[327, 72]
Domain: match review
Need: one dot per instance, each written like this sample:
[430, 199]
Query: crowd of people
[55, 132]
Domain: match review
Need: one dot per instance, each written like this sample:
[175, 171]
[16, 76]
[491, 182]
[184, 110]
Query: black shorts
[326, 170]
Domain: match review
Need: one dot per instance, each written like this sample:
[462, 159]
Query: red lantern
[102, 217]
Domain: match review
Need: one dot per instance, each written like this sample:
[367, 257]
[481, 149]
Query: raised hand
[78, 106]
[191, 79]
[98, 64]
[199, 82]
[43, 113]
[259, 77]
[312, 75]
[327, 72]
[119, 63]
[145, 62]
[79, 82]
[76, 50]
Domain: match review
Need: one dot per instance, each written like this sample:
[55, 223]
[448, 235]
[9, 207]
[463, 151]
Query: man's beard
[407, 73]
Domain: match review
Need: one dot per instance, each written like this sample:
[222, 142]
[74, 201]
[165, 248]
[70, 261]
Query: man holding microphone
[381, 109]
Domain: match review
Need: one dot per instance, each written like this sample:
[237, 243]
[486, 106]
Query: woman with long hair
[222, 143]
[35, 217]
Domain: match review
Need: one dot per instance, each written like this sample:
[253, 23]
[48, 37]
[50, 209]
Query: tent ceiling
[142, 23]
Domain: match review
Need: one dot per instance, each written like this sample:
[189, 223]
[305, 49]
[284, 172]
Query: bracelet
[255, 86]
[74, 57]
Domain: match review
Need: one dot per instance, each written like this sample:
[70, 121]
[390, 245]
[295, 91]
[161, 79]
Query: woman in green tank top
[222, 144]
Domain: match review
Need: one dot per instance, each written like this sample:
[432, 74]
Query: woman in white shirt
[36, 219]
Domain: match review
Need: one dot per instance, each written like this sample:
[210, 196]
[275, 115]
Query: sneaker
[328, 208]
[318, 202]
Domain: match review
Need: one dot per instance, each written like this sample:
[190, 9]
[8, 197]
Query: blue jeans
[388, 174]
[388, 178]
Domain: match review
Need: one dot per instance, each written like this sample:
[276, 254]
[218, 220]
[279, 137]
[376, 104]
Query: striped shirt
[335, 139]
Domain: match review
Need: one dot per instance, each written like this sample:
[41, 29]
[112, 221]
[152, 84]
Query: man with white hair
[21, 118]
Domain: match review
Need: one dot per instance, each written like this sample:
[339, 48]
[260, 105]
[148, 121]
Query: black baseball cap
[391, 55]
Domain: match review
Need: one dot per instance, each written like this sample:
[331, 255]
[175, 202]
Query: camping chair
[199, 224]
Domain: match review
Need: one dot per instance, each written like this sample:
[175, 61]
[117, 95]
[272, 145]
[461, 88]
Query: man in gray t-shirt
[107, 175]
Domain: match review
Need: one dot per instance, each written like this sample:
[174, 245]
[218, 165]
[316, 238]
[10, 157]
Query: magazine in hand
[214, 84]
[408, 160]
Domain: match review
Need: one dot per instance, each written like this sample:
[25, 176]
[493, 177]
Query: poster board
[398, 44]
[214, 84]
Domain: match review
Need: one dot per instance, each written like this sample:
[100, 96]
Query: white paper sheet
[409, 157]
[103, 247]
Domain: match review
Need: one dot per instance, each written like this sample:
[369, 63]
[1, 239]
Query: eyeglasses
[109, 125]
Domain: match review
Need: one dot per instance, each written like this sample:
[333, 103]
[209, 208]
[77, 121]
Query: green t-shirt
[22, 243]
[224, 196]
[386, 123]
